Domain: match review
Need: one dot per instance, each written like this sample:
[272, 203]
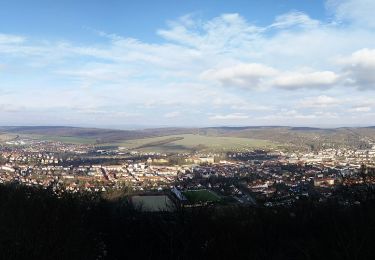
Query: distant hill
[100, 135]
[310, 138]
[302, 137]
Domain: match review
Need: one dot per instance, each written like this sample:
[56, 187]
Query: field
[64, 139]
[191, 142]
[153, 203]
[182, 143]
[212, 139]
[196, 196]
[4, 137]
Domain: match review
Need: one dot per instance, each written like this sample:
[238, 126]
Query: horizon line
[144, 127]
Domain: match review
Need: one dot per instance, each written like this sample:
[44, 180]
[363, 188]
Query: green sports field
[153, 203]
[198, 196]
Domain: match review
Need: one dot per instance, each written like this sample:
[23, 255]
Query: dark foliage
[34, 224]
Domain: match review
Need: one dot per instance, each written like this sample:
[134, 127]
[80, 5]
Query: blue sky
[187, 63]
[68, 19]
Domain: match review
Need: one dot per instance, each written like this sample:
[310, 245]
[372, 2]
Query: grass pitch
[153, 203]
[199, 196]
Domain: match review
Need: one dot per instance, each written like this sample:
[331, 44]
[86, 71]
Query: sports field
[153, 203]
[197, 196]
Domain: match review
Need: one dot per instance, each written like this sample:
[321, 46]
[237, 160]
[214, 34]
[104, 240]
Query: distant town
[160, 181]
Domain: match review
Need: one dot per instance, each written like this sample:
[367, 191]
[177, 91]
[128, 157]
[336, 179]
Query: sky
[125, 64]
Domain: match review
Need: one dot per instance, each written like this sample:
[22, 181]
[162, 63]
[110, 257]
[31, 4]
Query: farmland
[213, 139]
[63, 139]
[4, 137]
[192, 142]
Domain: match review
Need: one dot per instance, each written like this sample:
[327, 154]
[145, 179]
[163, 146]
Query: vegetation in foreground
[35, 224]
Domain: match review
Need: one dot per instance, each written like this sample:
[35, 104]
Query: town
[269, 178]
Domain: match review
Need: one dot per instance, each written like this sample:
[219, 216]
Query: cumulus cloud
[256, 76]
[295, 80]
[359, 68]
[244, 75]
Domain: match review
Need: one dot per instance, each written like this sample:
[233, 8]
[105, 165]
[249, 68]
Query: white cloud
[222, 33]
[11, 39]
[172, 114]
[295, 80]
[99, 72]
[360, 109]
[322, 101]
[251, 107]
[259, 76]
[244, 75]
[359, 12]
[326, 115]
[287, 115]
[294, 18]
[11, 108]
[235, 116]
[359, 68]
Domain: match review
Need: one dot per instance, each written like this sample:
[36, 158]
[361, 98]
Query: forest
[37, 224]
